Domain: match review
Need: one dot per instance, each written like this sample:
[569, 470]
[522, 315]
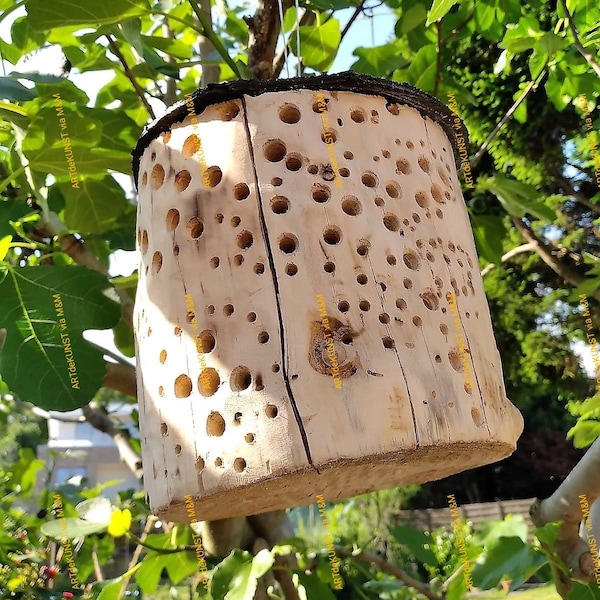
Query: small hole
[229, 110]
[235, 221]
[244, 240]
[369, 179]
[382, 286]
[447, 259]
[417, 321]
[274, 150]
[421, 198]
[361, 279]
[320, 193]
[183, 386]
[429, 257]
[362, 250]
[358, 115]
[343, 306]
[276, 181]
[215, 424]
[411, 260]
[237, 418]
[348, 155]
[172, 219]
[219, 218]
[177, 449]
[403, 166]
[391, 259]
[293, 162]
[164, 429]
[288, 243]
[157, 176]
[332, 235]
[351, 206]
[259, 268]
[340, 122]
[251, 317]
[344, 172]
[407, 283]
[416, 218]
[218, 462]
[249, 438]
[191, 146]
[195, 227]
[271, 411]
[410, 145]
[444, 329]
[161, 390]
[329, 267]
[238, 259]
[239, 464]
[455, 361]
[423, 163]
[228, 310]
[177, 331]
[241, 191]
[212, 177]
[430, 300]
[364, 305]
[280, 205]
[199, 464]
[263, 337]
[208, 381]
[391, 222]
[436, 192]
[210, 309]
[401, 304]
[312, 169]
[388, 342]
[289, 113]
[275, 368]
[162, 357]
[182, 180]
[214, 262]
[157, 261]
[291, 269]
[205, 342]
[329, 136]
[384, 318]
[347, 338]
[379, 202]
[240, 379]
[393, 190]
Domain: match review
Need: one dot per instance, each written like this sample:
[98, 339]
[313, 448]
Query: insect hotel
[310, 318]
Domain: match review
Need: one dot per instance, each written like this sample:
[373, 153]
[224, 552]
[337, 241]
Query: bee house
[310, 318]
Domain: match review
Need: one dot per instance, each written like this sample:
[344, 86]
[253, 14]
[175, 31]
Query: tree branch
[564, 506]
[532, 85]
[380, 562]
[587, 55]
[307, 18]
[210, 73]
[529, 247]
[121, 378]
[581, 198]
[138, 90]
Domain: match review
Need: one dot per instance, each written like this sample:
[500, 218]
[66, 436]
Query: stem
[588, 57]
[209, 33]
[4, 184]
[141, 542]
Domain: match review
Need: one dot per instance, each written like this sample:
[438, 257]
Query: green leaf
[11, 89]
[378, 61]
[45, 311]
[70, 527]
[23, 472]
[314, 588]
[44, 15]
[488, 532]
[581, 591]
[489, 232]
[94, 206]
[421, 72]
[243, 584]
[485, 15]
[416, 541]
[510, 558]
[584, 433]
[149, 573]
[412, 17]
[438, 9]
[225, 572]
[318, 44]
[522, 36]
[131, 29]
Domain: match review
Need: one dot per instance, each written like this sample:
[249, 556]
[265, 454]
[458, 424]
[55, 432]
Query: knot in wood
[331, 348]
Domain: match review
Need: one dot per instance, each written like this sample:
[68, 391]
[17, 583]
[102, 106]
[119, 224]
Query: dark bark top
[393, 92]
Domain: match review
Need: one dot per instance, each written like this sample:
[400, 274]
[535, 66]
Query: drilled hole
[177, 449]
[401, 304]
[320, 193]
[280, 205]
[157, 176]
[199, 464]
[384, 318]
[241, 191]
[161, 390]
[183, 386]
[240, 379]
[379, 202]
[364, 305]
[417, 321]
[421, 198]
[157, 261]
[251, 317]
[244, 240]
[259, 268]
[393, 189]
[369, 179]
[444, 329]
[332, 235]
[219, 218]
[229, 110]
[288, 243]
[291, 269]
[439, 213]
[212, 177]
[343, 306]
[293, 162]
[289, 113]
[391, 259]
[329, 136]
[235, 221]
[195, 227]
[205, 342]
[208, 381]
[348, 155]
[391, 222]
[329, 267]
[228, 310]
[215, 424]
[275, 368]
[361, 279]
[362, 250]
[411, 260]
[249, 438]
[344, 172]
[423, 163]
[210, 309]
[358, 115]
[191, 145]
[312, 169]
[351, 206]
[144, 179]
[238, 259]
[237, 418]
[218, 462]
[239, 464]
[436, 192]
[274, 150]
[162, 357]
[172, 219]
[388, 342]
[416, 218]
[214, 262]
[407, 283]
[271, 411]
[263, 337]
[455, 361]
[164, 429]
[276, 181]
[182, 180]
[430, 300]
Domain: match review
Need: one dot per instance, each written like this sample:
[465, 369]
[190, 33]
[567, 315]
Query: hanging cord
[285, 48]
[298, 53]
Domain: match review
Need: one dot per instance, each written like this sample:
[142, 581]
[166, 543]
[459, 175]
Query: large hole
[455, 361]
[208, 381]
[172, 219]
[364, 305]
[195, 227]
[291, 269]
[240, 379]
[191, 145]
[229, 110]
[436, 192]
[182, 180]
[351, 206]
[343, 306]
[215, 424]
[358, 115]
[241, 191]
[391, 222]
[157, 261]
[280, 205]
[271, 411]
[423, 163]
[332, 235]
[288, 243]
[393, 189]
[403, 166]
[274, 150]
[329, 267]
[183, 386]
[412, 260]
[369, 179]
[205, 342]
[293, 162]
[421, 198]
[329, 136]
[320, 192]
[212, 177]
[239, 464]
[157, 176]
[262, 337]
[289, 113]
[244, 240]
[430, 300]
[361, 279]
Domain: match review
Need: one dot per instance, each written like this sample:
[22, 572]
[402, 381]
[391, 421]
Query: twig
[138, 90]
[110, 353]
[529, 247]
[532, 85]
[438, 57]
[581, 198]
[353, 18]
[121, 378]
[421, 587]
[587, 55]
[457, 29]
